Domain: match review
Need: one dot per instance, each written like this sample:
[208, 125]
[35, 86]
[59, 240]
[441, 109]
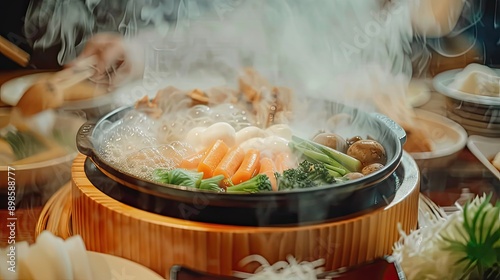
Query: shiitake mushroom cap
[368, 152]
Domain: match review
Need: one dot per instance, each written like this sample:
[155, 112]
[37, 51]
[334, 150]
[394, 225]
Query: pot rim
[86, 147]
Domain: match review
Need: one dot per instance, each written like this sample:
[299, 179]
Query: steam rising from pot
[303, 44]
[357, 52]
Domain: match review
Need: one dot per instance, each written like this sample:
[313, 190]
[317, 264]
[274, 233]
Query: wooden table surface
[444, 186]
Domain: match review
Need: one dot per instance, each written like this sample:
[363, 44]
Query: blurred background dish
[485, 118]
[474, 123]
[488, 111]
[485, 149]
[101, 103]
[40, 158]
[419, 93]
[477, 114]
[447, 139]
[38, 171]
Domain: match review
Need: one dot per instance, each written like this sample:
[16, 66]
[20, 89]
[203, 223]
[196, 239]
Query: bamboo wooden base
[159, 242]
[56, 214]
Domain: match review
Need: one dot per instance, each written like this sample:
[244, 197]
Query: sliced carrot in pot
[268, 168]
[248, 168]
[192, 162]
[283, 162]
[230, 163]
[212, 158]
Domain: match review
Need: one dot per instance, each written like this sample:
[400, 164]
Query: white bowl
[485, 148]
[447, 139]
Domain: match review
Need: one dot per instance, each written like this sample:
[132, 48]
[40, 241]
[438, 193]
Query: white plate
[485, 149]
[109, 267]
[442, 81]
[447, 137]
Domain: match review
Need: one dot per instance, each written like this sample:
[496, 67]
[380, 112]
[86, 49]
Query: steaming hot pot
[162, 226]
[297, 207]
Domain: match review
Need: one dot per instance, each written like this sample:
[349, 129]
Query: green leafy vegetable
[187, 178]
[258, 183]
[306, 175]
[211, 184]
[179, 177]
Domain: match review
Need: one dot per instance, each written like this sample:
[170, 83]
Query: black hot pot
[297, 207]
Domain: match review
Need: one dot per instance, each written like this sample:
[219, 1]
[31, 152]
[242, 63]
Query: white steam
[326, 48]
[70, 23]
[336, 49]
[320, 47]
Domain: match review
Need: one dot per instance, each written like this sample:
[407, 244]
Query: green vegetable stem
[211, 184]
[258, 183]
[479, 239]
[324, 154]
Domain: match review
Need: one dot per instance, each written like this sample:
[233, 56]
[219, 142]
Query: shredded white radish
[286, 270]
[423, 254]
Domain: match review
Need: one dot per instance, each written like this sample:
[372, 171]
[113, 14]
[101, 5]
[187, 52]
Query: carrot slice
[225, 183]
[230, 163]
[212, 158]
[248, 168]
[283, 162]
[268, 168]
[192, 162]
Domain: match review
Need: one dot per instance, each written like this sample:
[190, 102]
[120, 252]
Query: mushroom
[353, 175]
[353, 140]
[331, 140]
[367, 152]
[371, 168]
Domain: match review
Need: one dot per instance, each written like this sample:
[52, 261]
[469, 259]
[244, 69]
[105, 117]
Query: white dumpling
[257, 143]
[219, 131]
[281, 130]
[194, 137]
[276, 145]
[249, 132]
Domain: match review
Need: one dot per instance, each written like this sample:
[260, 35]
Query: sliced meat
[218, 95]
[252, 83]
